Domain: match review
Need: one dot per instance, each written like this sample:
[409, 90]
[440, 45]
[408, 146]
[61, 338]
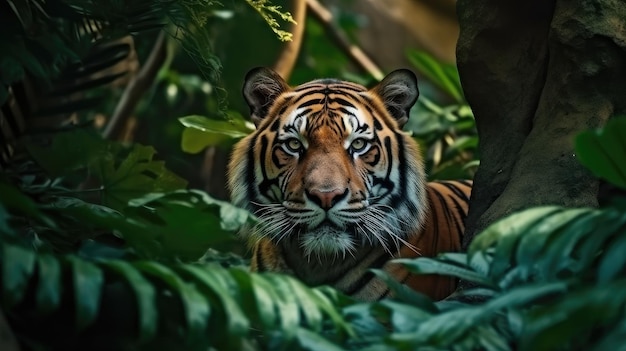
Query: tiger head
[328, 169]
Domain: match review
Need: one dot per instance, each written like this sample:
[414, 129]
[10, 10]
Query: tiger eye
[358, 144]
[294, 144]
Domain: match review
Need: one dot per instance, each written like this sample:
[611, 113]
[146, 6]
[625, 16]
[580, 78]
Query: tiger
[338, 188]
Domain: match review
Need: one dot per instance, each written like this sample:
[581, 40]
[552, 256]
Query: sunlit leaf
[604, 151]
[201, 132]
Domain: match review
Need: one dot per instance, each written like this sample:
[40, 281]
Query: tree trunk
[536, 73]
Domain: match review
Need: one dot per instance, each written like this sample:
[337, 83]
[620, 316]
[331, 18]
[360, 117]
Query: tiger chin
[338, 188]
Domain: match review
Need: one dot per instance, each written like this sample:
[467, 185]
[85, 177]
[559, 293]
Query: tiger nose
[326, 199]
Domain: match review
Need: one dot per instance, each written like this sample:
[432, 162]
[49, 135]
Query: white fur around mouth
[327, 240]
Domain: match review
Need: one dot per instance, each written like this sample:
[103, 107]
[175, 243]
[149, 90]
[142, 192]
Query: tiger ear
[399, 92]
[261, 87]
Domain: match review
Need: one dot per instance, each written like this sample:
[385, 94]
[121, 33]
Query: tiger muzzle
[326, 199]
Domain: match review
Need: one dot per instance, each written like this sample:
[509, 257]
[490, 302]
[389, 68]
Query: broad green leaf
[286, 302]
[603, 151]
[573, 317]
[49, 288]
[308, 340]
[145, 296]
[137, 175]
[405, 294]
[5, 228]
[405, 317]
[263, 297]
[63, 156]
[12, 199]
[444, 76]
[17, 274]
[87, 280]
[560, 251]
[424, 265]
[311, 314]
[511, 225]
[232, 318]
[197, 310]
[201, 132]
[535, 239]
[613, 260]
[613, 223]
[187, 223]
[506, 234]
[139, 235]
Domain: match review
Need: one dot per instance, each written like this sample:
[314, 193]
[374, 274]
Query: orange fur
[339, 188]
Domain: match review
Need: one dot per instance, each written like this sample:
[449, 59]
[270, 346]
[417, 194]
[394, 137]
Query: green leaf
[63, 157]
[405, 294]
[260, 297]
[197, 310]
[13, 199]
[5, 228]
[444, 76]
[511, 225]
[137, 175]
[145, 296]
[141, 236]
[613, 261]
[202, 132]
[536, 238]
[604, 151]
[228, 314]
[558, 255]
[425, 265]
[186, 223]
[286, 302]
[574, 318]
[17, 274]
[311, 314]
[308, 340]
[87, 280]
[406, 318]
[49, 288]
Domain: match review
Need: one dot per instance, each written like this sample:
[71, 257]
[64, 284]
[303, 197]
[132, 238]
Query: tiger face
[328, 170]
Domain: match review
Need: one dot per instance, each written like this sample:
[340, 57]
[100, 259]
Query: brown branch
[8, 342]
[289, 54]
[136, 88]
[341, 39]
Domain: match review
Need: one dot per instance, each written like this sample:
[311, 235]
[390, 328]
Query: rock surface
[537, 73]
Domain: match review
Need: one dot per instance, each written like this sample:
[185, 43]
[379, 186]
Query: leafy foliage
[596, 150]
[267, 11]
[102, 247]
[181, 305]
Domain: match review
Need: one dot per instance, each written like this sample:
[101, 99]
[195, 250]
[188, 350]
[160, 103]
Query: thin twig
[354, 52]
[289, 53]
[136, 88]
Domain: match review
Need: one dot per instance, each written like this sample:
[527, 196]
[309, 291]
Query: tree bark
[537, 73]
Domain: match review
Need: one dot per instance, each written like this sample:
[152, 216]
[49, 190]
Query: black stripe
[250, 168]
[456, 190]
[260, 264]
[368, 276]
[402, 165]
